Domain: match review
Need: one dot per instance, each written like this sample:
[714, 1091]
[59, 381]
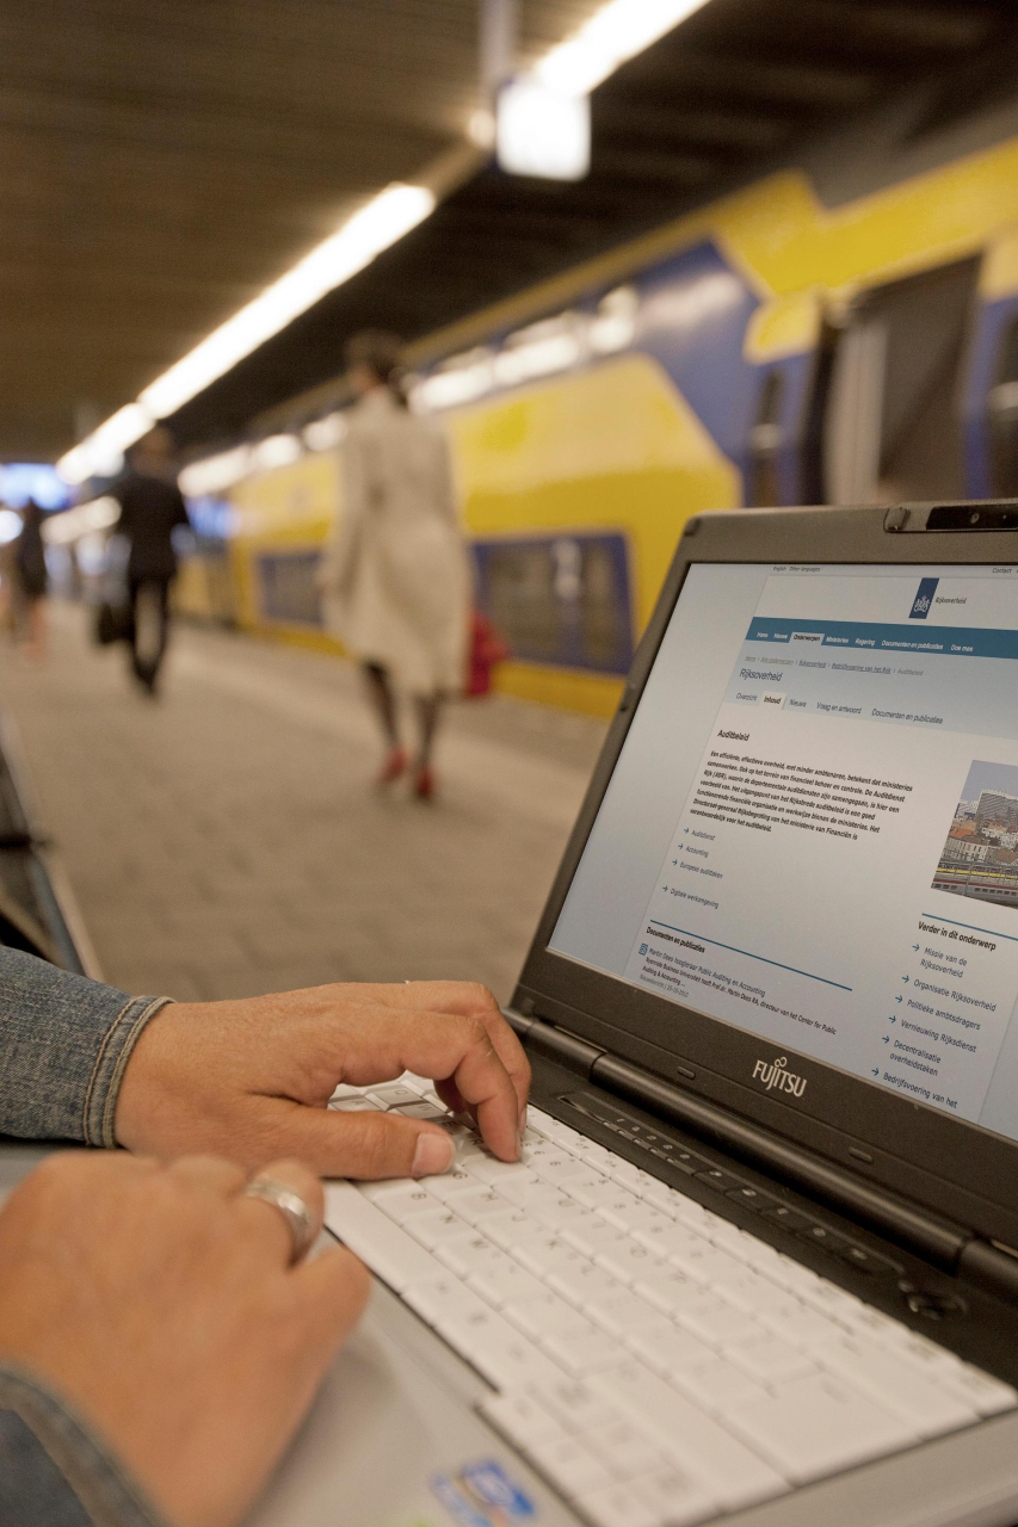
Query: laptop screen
[811, 831]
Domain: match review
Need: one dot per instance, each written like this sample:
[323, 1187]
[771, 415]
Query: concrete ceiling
[161, 162]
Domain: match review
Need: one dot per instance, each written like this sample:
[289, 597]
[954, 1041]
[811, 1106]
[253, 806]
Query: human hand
[251, 1079]
[160, 1302]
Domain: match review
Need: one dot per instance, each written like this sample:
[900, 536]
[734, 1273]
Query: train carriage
[769, 349]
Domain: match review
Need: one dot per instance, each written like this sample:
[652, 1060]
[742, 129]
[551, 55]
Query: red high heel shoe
[394, 766]
[424, 785]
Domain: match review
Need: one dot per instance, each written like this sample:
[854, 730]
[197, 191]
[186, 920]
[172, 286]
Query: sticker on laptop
[481, 1494]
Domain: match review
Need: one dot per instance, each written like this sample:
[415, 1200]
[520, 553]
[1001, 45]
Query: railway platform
[227, 839]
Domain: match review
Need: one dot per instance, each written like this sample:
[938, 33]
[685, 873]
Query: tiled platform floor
[227, 840]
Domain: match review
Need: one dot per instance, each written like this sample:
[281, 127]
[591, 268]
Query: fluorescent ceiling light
[385, 220]
[276, 451]
[542, 131]
[325, 434]
[102, 454]
[615, 33]
[214, 474]
[86, 519]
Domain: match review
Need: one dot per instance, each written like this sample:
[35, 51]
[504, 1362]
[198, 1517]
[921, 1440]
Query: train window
[562, 600]
[1002, 405]
[287, 587]
[764, 442]
[894, 428]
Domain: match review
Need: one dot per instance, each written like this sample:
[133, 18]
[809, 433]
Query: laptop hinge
[911, 1226]
[558, 1045]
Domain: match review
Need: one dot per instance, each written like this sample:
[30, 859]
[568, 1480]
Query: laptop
[757, 1263]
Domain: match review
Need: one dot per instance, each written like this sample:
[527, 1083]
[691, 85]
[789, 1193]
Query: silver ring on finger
[301, 1222]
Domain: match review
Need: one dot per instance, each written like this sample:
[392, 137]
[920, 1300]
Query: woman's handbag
[487, 649]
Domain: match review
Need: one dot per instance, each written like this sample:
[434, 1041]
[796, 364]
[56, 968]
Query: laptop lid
[793, 885]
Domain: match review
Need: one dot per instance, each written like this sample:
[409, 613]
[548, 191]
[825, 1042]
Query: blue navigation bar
[949, 641]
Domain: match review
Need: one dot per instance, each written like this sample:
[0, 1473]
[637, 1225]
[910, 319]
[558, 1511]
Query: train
[817, 336]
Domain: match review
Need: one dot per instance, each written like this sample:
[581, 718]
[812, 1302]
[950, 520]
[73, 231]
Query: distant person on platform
[151, 508]
[28, 572]
[396, 577]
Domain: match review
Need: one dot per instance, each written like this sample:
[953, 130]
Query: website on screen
[841, 876]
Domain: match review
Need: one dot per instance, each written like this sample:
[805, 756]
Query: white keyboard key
[405, 1202]
[570, 1465]
[506, 1283]
[378, 1190]
[371, 1235]
[622, 1319]
[667, 1289]
[436, 1226]
[770, 1359]
[449, 1186]
[345, 1090]
[796, 1324]
[393, 1094]
[618, 1253]
[489, 1169]
[725, 1466]
[625, 1172]
[750, 1292]
[509, 1228]
[443, 1299]
[670, 1352]
[522, 1418]
[624, 1505]
[718, 1386]
[581, 1355]
[718, 1323]
[465, 1254]
[815, 1426]
[592, 1188]
[596, 1155]
[627, 1451]
[882, 1375]
[423, 1109]
[576, 1407]
[630, 1214]
[547, 1254]
[528, 1192]
[547, 1316]
[353, 1103]
[987, 1396]
[678, 1498]
[586, 1285]
[556, 1213]
[473, 1207]
[505, 1357]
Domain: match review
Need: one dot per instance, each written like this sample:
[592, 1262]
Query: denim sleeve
[64, 1045]
[53, 1471]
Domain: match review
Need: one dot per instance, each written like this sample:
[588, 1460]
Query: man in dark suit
[151, 508]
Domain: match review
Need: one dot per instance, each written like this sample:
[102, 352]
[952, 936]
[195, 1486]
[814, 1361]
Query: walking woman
[396, 576]
[29, 570]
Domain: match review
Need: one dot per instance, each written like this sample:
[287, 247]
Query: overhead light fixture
[325, 434]
[387, 218]
[102, 454]
[276, 451]
[214, 474]
[542, 131]
[614, 34]
[86, 519]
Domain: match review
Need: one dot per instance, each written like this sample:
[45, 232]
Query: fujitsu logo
[773, 1074]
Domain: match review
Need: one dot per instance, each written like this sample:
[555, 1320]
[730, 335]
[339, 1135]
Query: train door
[784, 455]
[894, 428]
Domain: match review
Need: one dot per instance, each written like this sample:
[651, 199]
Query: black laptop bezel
[955, 1168]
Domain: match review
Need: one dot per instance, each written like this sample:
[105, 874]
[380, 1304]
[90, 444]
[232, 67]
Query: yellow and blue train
[768, 349]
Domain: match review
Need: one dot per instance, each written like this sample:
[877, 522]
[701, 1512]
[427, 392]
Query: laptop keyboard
[658, 1365]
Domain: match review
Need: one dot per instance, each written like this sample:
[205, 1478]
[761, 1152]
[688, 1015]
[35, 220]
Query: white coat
[396, 576]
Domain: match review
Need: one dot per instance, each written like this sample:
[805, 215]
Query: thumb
[368, 1145]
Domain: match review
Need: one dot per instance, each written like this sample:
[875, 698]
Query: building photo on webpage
[980, 856]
